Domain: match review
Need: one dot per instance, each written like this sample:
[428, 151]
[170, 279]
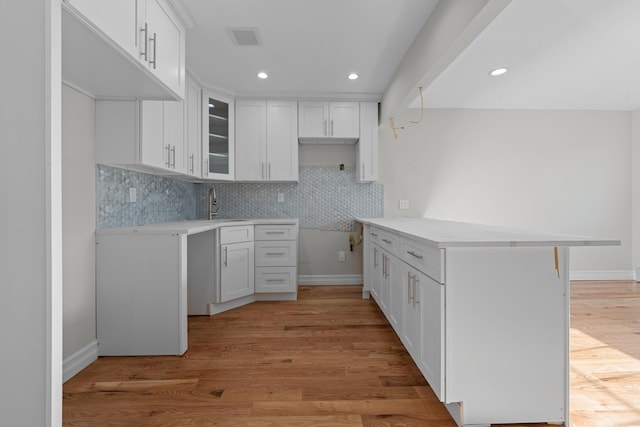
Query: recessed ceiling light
[262, 75]
[353, 76]
[498, 72]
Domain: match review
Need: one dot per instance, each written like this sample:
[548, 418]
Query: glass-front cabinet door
[217, 143]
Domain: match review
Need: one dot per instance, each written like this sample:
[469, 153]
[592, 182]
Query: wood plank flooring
[331, 359]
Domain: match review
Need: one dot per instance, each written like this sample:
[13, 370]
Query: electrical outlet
[341, 256]
[280, 197]
[403, 204]
[133, 196]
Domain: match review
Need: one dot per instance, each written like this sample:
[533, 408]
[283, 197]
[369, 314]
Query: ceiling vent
[245, 36]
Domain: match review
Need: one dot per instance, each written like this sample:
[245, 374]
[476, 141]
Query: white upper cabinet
[218, 139]
[192, 128]
[161, 43]
[104, 42]
[115, 18]
[367, 146]
[141, 135]
[162, 135]
[266, 140]
[329, 122]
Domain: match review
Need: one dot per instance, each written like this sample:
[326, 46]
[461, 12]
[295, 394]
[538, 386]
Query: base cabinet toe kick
[483, 314]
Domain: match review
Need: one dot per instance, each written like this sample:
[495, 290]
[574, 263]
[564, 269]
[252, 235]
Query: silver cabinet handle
[413, 254]
[155, 43]
[145, 30]
[192, 163]
[275, 253]
[274, 232]
[206, 167]
[269, 170]
[331, 127]
[375, 257]
[363, 174]
[226, 256]
[173, 152]
[388, 242]
[408, 287]
[415, 283]
[168, 162]
[374, 234]
[262, 175]
[275, 280]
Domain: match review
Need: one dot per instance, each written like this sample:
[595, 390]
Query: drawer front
[424, 258]
[276, 279]
[276, 232]
[374, 234]
[276, 253]
[388, 241]
[236, 234]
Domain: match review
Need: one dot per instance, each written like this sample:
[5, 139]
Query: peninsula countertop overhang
[451, 234]
[193, 226]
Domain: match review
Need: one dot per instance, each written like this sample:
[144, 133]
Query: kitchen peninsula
[150, 277]
[482, 310]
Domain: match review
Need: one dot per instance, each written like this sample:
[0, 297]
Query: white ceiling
[308, 46]
[561, 54]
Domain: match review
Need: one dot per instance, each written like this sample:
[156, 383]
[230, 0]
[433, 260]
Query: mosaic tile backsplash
[324, 198]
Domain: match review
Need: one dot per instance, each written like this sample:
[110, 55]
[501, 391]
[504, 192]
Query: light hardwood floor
[331, 359]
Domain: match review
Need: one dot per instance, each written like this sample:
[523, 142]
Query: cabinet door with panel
[367, 146]
[330, 120]
[162, 44]
[162, 135]
[313, 119]
[218, 149]
[375, 274]
[429, 296]
[266, 140]
[282, 141]
[251, 140]
[236, 270]
[344, 120]
[394, 285]
[192, 128]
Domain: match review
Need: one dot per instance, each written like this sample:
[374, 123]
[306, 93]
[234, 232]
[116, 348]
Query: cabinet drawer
[424, 258]
[388, 241]
[275, 253]
[374, 234]
[276, 279]
[276, 232]
[236, 234]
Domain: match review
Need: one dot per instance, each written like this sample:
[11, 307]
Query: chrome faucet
[213, 203]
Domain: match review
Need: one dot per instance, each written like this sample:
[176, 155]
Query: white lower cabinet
[276, 249]
[486, 326]
[423, 324]
[236, 271]
[394, 288]
[236, 262]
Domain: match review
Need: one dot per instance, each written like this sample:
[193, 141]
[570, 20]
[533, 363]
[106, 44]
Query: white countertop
[192, 226]
[444, 234]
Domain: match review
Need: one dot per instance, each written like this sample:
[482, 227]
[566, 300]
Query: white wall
[318, 253]
[30, 214]
[635, 188]
[78, 220]
[557, 171]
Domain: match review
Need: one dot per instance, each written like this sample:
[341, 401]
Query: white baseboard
[330, 279]
[79, 360]
[602, 275]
